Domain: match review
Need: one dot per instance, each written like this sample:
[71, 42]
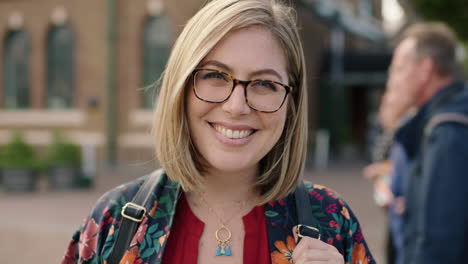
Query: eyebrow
[225, 67]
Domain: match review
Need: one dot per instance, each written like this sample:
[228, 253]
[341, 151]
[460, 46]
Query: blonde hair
[282, 167]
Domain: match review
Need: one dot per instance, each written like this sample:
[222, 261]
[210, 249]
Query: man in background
[424, 75]
[388, 172]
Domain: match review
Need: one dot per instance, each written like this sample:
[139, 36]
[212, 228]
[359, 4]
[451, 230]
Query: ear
[426, 70]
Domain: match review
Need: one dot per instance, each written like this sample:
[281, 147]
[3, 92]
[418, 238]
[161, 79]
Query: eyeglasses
[215, 86]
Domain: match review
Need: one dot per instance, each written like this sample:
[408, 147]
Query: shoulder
[337, 223]
[323, 195]
[451, 115]
[106, 211]
[328, 207]
[448, 131]
[95, 237]
[118, 196]
[112, 201]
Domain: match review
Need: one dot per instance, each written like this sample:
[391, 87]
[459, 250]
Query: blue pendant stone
[218, 251]
[228, 251]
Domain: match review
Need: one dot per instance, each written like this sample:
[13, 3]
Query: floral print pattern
[359, 254]
[337, 224]
[93, 242]
[87, 244]
[283, 252]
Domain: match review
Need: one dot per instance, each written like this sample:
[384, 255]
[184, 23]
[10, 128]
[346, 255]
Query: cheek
[196, 109]
[411, 84]
[278, 121]
[398, 82]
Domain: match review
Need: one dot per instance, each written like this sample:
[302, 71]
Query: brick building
[86, 68]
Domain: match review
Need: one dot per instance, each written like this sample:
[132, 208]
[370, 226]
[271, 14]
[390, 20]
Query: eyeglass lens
[215, 86]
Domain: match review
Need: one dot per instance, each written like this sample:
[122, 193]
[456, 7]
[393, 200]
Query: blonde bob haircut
[281, 169]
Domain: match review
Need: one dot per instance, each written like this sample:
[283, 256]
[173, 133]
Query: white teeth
[243, 134]
[233, 133]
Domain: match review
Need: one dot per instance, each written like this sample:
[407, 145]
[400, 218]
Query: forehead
[405, 51]
[250, 49]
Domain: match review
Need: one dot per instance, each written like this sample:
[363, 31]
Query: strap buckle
[140, 212]
[309, 231]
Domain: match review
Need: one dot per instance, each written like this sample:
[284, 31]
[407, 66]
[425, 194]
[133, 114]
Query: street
[35, 228]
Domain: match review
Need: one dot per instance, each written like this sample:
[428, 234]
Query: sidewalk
[38, 226]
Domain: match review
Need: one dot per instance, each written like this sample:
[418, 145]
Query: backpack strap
[444, 118]
[438, 119]
[305, 218]
[132, 214]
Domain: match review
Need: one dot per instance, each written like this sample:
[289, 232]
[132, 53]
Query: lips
[233, 133]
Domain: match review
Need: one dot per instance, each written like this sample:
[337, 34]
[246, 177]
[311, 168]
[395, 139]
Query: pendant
[228, 251]
[223, 248]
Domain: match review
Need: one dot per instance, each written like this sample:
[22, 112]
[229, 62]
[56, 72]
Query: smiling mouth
[233, 134]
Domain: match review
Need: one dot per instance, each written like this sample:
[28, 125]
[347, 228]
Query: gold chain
[213, 212]
[223, 248]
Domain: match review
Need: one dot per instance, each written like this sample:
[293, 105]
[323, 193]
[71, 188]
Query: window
[367, 8]
[60, 67]
[156, 48]
[16, 70]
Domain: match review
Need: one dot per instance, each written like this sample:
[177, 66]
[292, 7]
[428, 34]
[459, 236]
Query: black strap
[305, 218]
[303, 205]
[136, 210]
[132, 214]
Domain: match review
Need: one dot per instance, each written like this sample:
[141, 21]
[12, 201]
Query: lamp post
[337, 47]
[111, 74]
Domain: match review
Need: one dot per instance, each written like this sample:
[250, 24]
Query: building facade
[89, 68]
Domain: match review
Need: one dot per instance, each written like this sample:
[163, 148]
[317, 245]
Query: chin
[232, 165]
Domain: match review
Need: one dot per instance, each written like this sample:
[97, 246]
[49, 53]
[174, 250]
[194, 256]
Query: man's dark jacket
[436, 191]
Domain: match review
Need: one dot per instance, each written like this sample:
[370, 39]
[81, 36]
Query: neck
[434, 87]
[225, 195]
[227, 188]
[230, 186]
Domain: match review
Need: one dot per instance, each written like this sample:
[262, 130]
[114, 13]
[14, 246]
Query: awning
[331, 12]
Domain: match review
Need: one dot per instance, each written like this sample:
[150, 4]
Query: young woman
[230, 133]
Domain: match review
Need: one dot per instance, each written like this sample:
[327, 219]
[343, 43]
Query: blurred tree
[453, 12]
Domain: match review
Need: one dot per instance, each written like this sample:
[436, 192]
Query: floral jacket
[93, 242]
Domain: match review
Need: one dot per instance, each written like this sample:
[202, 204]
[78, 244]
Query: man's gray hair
[437, 41]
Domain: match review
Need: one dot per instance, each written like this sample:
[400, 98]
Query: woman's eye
[213, 75]
[265, 85]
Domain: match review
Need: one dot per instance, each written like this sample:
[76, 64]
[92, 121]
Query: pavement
[38, 226]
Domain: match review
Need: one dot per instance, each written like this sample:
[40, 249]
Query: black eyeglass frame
[288, 88]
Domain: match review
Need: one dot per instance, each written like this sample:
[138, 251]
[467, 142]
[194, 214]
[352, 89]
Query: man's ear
[426, 69]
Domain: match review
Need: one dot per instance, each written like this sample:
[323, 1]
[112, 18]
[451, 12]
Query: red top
[182, 246]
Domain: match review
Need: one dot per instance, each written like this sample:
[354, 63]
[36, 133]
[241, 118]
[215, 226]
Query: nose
[236, 104]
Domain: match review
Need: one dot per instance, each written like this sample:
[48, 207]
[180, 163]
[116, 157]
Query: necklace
[223, 234]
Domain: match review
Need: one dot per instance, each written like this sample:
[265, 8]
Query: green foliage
[18, 154]
[63, 153]
[453, 12]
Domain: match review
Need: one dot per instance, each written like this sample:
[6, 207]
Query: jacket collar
[409, 134]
